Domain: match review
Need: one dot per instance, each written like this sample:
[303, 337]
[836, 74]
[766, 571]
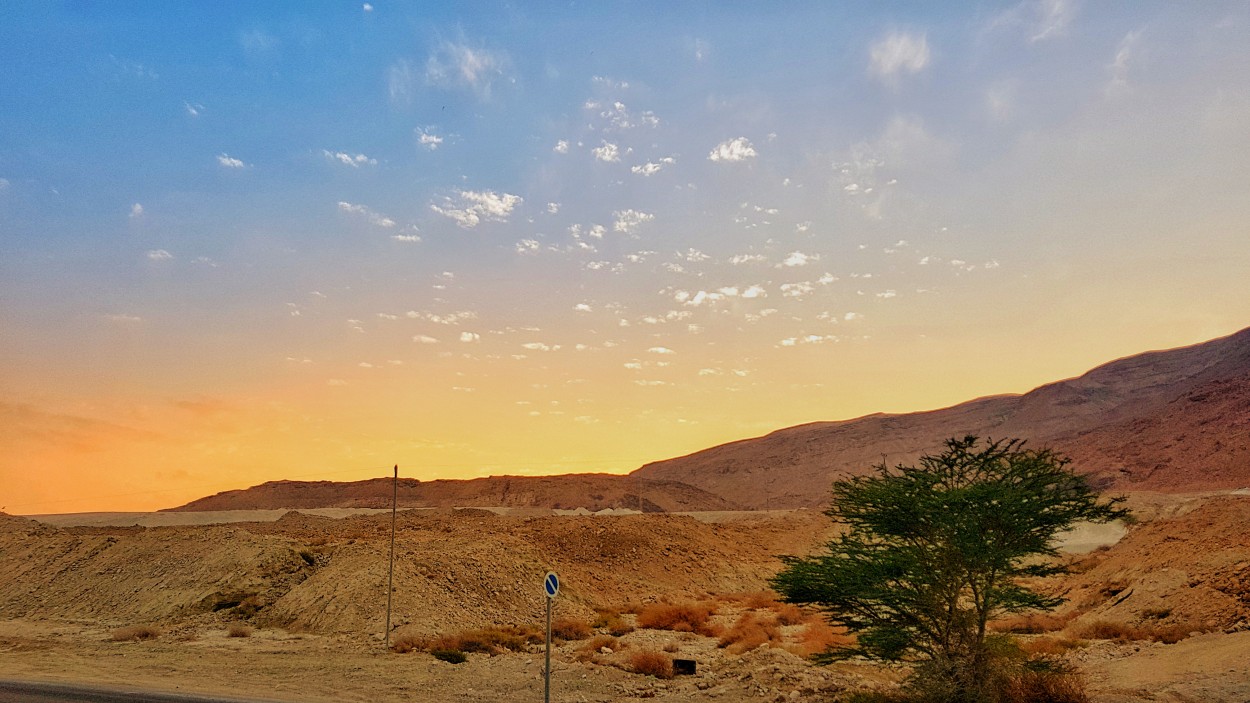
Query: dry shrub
[1048, 646]
[749, 632]
[406, 640]
[671, 648]
[789, 614]
[570, 629]
[1107, 630]
[611, 621]
[651, 663]
[1032, 624]
[489, 640]
[238, 629]
[819, 636]
[135, 633]
[1044, 686]
[1156, 613]
[590, 651]
[678, 617]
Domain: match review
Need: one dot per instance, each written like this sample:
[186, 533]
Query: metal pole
[390, 580]
[547, 685]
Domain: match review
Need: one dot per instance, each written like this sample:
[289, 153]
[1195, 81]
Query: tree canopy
[932, 552]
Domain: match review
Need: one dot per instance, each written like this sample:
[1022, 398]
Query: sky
[243, 242]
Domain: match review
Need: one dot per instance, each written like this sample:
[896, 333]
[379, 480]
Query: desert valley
[279, 591]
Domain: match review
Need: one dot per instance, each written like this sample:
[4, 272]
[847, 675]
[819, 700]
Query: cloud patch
[229, 161]
[346, 159]
[897, 54]
[739, 149]
[462, 66]
[374, 218]
[474, 207]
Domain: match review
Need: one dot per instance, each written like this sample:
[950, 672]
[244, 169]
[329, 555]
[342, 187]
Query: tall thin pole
[547, 684]
[390, 579]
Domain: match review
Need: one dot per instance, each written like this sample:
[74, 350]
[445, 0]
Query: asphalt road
[32, 692]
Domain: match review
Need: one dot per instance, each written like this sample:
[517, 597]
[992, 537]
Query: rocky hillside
[1176, 420]
[590, 491]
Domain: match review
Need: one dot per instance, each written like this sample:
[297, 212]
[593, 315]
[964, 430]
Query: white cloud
[478, 206]
[898, 53]
[367, 7]
[193, 109]
[561, 147]
[374, 218]
[407, 238]
[1054, 16]
[582, 307]
[609, 152]
[540, 346]
[136, 210]
[230, 162]
[469, 337]
[355, 161]
[159, 255]
[797, 290]
[798, 258]
[653, 167]
[755, 292]
[553, 208]
[424, 339]
[427, 138]
[527, 246]
[1124, 56]
[124, 319]
[739, 259]
[852, 316]
[739, 149]
[400, 79]
[661, 350]
[627, 221]
[461, 66]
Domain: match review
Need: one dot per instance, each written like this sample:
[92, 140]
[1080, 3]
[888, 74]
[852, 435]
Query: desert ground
[290, 605]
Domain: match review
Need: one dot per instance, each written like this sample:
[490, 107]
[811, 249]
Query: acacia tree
[931, 553]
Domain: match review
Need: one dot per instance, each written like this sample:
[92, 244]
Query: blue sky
[249, 242]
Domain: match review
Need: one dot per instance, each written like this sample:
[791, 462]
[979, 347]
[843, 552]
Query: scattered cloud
[739, 149]
[627, 221]
[355, 161]
[159, 255]
[367, 7]
[470, 337]
[1125, 54]
[653, 167]
[192, 109]
[582, 307]
[374, 218]
[229, 161]
[1053, 18]
[136, 210]
[553, 208]
[462, 66]
[426, 138]
[424, 339]
[123, 319]
[898, 53]
[609, 152]
[798, 258]
[561, 147]
[475, 207]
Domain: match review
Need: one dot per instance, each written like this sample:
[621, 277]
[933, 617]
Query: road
[32, 692]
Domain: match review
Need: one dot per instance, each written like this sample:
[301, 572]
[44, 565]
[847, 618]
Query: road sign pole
[551, 588]
[547, 684]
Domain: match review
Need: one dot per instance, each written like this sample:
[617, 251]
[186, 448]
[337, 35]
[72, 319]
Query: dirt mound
[1187, 571]
[593, 492]
[1190, 404]
[452, 571]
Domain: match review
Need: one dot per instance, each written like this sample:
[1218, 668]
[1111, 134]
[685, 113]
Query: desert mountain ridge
[1176, 420]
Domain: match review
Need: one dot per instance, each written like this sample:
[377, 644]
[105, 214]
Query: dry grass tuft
[678, 617]
[749, 632]
[1044, 686]
[570, 629]
[611, 621]
[818, 637]
[651, 663]
[1033, 623]
[1107, 630]
[789, 614]
[489, 640]
[238, 629]
[135, 633]
[1048, 646]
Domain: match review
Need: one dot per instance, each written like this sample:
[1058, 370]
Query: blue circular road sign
[551, 584]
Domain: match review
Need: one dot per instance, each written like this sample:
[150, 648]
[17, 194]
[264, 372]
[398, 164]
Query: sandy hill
[590, 491]
[1175, 420]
